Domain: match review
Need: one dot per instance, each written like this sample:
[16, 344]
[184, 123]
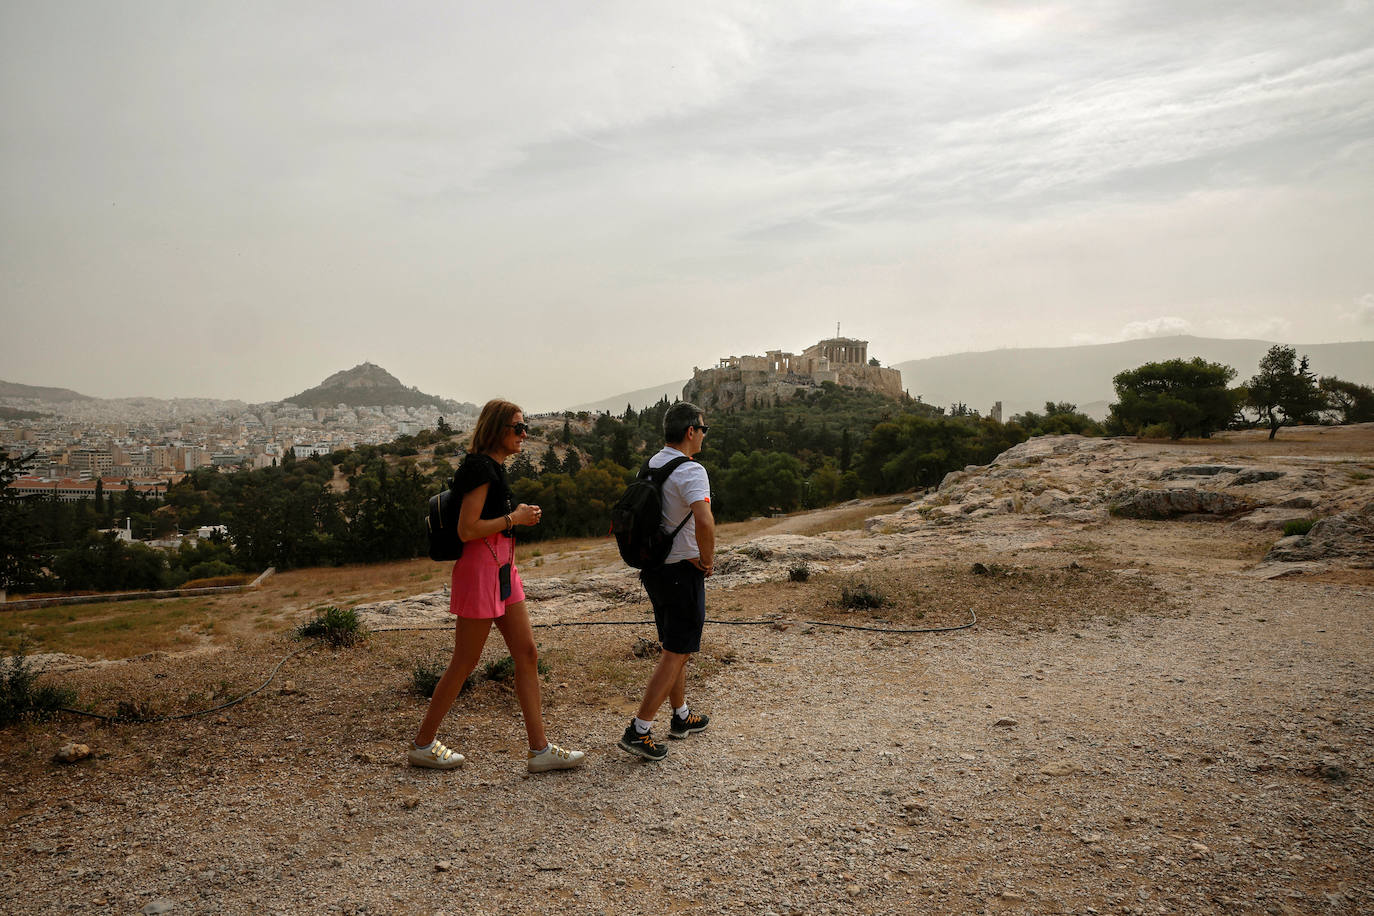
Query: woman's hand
[526, 515]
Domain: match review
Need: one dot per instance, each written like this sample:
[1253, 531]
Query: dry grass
[1291, 440]
[124, 629]
[1009, 598]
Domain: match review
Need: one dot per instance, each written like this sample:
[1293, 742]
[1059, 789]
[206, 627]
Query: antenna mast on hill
[837, 329]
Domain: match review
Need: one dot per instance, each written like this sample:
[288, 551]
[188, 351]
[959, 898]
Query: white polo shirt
[686, 485]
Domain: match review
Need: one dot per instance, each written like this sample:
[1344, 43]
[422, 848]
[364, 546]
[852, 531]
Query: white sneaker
[435, 757]
[554, 757]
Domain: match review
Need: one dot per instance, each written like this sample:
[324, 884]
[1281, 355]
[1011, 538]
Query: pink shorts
[475, 590]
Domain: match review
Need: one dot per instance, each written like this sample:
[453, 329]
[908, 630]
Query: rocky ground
[1164, 707]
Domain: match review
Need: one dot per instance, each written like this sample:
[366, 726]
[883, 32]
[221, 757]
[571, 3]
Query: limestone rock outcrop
[1077, 479]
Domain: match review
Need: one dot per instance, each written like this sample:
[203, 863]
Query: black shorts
[678, 594]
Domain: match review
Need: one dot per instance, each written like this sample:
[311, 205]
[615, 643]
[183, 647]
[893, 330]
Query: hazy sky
[556, 202]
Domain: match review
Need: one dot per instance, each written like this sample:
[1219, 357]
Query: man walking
[677, 589]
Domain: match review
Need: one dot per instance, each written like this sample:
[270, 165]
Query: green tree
[1284, 391]
[20, 564]
[1347, 402]
[551, 463]
[913, 452]
[1184, 397]
[620, 451]
[572, 462]
[105, 563]
[760, 483]
[521, 467]
[1059, 419]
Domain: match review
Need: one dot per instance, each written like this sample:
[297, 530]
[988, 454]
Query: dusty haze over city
[555, 202]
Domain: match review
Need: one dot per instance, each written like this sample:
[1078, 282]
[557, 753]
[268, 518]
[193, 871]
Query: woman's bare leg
[519, 636]
[469, 636]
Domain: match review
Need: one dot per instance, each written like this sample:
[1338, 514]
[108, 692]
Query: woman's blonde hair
[491, 425]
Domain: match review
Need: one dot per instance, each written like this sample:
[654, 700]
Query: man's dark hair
[678, 419]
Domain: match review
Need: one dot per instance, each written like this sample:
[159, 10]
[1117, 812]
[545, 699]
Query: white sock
[542, 750]
[643, 727]
[682, 713]
[424, 747]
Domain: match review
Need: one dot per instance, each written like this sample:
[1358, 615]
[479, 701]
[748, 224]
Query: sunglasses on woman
[521, 429]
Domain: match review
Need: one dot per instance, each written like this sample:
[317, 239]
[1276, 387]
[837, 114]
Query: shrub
[337, 626]
[22, 698]
[799, 572]
[1298, 526]
[503, 669]
[214, 569]
[426, 676]
[861, 596]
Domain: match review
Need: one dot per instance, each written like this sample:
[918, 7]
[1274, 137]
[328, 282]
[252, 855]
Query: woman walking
[486, 589]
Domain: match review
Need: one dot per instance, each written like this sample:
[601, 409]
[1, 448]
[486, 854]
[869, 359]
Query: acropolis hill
[746, 381]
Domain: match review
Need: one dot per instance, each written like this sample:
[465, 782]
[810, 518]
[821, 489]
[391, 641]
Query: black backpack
[442, 526]
[637, 519]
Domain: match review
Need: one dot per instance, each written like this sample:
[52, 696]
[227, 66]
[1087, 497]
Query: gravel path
[1205, 763]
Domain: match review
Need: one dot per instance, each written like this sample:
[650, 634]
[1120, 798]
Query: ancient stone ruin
[748, 381]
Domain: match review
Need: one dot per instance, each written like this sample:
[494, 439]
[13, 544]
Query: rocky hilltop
[1087, 481]
[367, 385]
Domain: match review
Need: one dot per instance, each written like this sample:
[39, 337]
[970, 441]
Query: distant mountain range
[638, 399]
[1021, 378]
[366, 385]
[1025, 378]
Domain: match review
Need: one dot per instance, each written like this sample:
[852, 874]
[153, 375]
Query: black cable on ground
[729, 623]
[567, 623]
[188, 715]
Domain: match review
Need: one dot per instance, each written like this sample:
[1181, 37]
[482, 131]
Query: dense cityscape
[149, 443]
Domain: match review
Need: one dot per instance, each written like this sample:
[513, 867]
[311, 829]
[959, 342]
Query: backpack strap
[660, 476]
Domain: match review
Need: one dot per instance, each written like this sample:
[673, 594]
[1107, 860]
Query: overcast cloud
[555, 202]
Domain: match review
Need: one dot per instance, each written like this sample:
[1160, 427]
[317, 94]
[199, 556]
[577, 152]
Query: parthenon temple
[739, 381]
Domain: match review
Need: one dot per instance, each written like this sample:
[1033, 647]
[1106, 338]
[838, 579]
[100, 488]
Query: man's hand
[696, 561]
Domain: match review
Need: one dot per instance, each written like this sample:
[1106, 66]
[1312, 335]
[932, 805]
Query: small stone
[853, 890]
[410, 801]
[158, 905]
[1060, 768]
[288, 687]
[443, 865]
[71, 753]
[1005, 722]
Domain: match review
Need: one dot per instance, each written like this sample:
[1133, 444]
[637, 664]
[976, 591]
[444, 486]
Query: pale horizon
[236, 201]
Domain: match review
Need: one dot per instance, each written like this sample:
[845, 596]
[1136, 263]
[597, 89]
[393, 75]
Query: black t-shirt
[483, 469]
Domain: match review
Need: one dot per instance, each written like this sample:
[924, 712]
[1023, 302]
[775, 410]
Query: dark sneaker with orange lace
[681, 728]
[642, 745]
